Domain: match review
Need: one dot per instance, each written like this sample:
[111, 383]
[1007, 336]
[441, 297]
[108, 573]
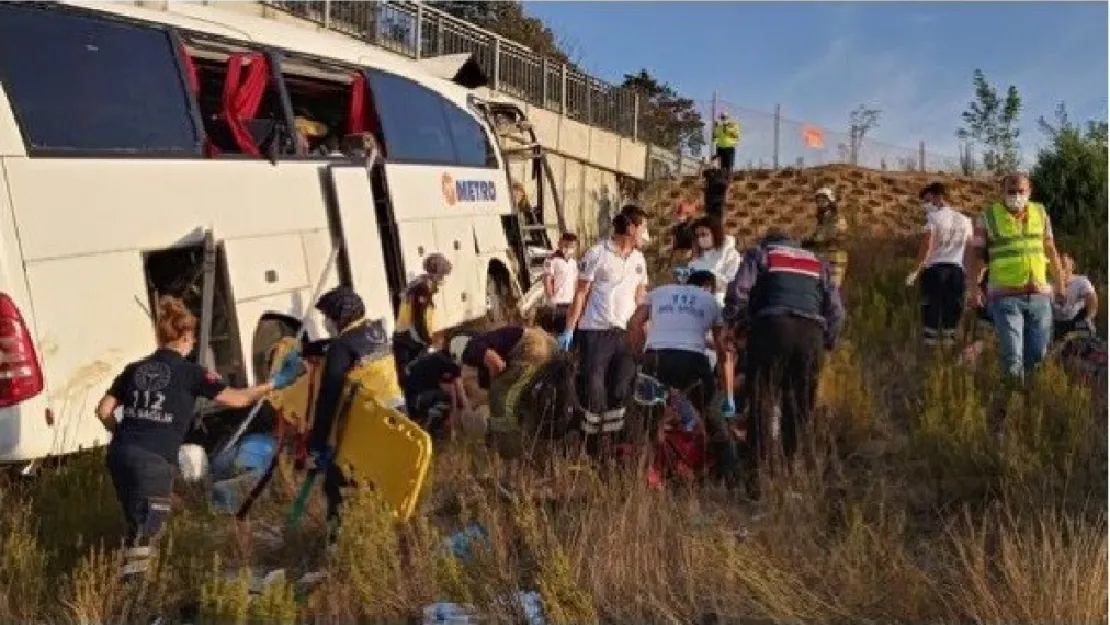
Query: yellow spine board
[381, 448]
[375, 444]
[294, 403]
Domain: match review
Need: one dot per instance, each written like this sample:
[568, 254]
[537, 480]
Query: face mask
[1016, 201]
[330, 327]
[928, 207]
[568, 252]
[705, 242]
[644, 238]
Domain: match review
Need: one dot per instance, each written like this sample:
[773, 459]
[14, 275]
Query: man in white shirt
[1076, 310]
[611, 282]
[940, 258]
[560, 277]
[677, 318]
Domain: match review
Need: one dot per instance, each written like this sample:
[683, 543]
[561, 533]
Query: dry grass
[925, 510]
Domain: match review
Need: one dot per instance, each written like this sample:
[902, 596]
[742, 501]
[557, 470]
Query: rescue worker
[940, 261]
[611, 283]
[1077, 309]
[560, 275]
[716, 252]
[828, 239]
[415, 331]
[434, 395]
[157, 395]
[1015, 238]
[784, 301]
[677, 318]
[504, 358]
[715, 182]
[726, 134]
[353, 339]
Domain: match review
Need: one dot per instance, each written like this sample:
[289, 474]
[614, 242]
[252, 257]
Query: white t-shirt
[564, 272]
[1079, 287]
[724, 262]
[681, 316]
[951, 231]
[613, 282]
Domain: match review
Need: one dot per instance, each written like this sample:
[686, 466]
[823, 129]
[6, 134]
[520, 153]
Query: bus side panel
[93, 316]
[422, 192]
[461, 297]
[417, 242]
[23, 428]
[365, 254]
[84, 225]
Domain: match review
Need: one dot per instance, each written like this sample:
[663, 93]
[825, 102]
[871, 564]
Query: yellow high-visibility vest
[726, 135]
[1015, 249]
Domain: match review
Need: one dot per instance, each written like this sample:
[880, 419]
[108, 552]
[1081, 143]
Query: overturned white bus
[145, 152]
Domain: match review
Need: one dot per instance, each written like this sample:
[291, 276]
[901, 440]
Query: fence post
[777, 130]
[635, 115]
[589, 88]
[496, 64]
[327, 14]
[543, 83]
[563, 89]
[419, 29]
[921, 156]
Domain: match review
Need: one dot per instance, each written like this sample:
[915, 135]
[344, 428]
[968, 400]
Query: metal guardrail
[418, 31]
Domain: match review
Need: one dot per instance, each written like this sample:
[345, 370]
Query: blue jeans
[1024, 327]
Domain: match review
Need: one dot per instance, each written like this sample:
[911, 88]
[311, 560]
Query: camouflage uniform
[828, 242]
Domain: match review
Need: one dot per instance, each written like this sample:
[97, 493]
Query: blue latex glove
[565, 339]
[290, 370]
[728, 408]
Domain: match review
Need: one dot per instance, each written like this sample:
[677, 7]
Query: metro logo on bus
[455, 191]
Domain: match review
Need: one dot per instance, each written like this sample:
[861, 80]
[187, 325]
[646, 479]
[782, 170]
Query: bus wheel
[270, 330]
[498, 297]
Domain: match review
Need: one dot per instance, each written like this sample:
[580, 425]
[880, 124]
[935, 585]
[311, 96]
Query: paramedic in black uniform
[158, 395]
[355, 339]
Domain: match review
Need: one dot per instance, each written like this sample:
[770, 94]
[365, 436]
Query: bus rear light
[20, 373]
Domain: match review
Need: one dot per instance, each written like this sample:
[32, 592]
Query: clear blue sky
[819, 60]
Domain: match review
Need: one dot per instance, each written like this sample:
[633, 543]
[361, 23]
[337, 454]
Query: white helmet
[457, 345]
[827, 193]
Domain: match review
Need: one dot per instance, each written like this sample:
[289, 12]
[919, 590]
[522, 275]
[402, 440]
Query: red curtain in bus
[356, 117]
[193, 79]
[190, 70]
[243, 95]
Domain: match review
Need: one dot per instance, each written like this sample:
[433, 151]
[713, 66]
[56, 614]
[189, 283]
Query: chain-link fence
[770, 141]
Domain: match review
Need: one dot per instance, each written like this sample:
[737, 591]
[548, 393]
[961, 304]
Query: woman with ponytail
[157, 396]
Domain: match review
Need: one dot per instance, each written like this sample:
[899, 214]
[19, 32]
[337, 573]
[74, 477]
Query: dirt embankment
[876, 203]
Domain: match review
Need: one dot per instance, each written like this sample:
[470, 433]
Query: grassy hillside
[925, 512]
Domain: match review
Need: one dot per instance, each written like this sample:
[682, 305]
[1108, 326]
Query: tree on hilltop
[666, 118]
[992, 122]
[1070, 175]
[862, 121]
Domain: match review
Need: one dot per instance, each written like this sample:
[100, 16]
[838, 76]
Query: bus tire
[270, 330]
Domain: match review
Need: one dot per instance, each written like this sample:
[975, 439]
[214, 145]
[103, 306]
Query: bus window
[472, 145]
[224, 70]
[83, 84]
[414, 126]
[329, 104]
